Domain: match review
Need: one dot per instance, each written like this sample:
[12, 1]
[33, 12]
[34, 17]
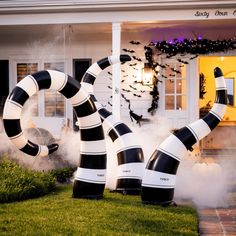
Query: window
[24, 69]
[54, 102]
[175, 86]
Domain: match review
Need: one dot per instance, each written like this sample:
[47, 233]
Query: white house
[71, 35]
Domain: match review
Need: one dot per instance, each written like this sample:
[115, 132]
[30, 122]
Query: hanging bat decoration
[176, 71]
[158, 64]
[191, 58]
[181, 61]
[134, 64]
[109, 87]
[137, 58]
[128, 50]
[126, 90]
[136, 95]
[132, 87]
[134, 42]
[109, 73]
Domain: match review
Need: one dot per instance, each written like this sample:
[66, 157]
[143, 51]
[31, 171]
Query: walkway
[219, 221]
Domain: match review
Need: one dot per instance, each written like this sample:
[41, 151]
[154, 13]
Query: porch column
[116, 74]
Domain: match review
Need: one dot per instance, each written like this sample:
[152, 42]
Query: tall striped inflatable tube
[160, 173]
[90, 176]
[129, 152]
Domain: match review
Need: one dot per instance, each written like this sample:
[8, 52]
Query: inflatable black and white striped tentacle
[129, 152]
[90, 176]
[160, 173]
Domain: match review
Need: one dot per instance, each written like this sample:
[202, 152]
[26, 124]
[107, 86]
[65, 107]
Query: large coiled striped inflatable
[129, 152]
[90, 176]
[160, 174]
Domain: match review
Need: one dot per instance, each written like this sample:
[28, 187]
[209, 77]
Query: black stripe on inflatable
[125, 57]
[159, 161]
[88, 78]
[92, 134]
[130, 156]
[211, 120]
[71, 88]
[118, 130]
[157, 196]
[93, 161]
[186, 137]
[218, 72]
[104, 113]
[19, 95]
[30, 148]
[129, 185]
[103, 63]
[83, 189]
[221, 96]
[12, 127]
[43, 79]
[85, 109]
[93, 97]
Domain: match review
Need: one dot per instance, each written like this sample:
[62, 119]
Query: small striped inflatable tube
[129, 152]
[160, 174]
[90, 176]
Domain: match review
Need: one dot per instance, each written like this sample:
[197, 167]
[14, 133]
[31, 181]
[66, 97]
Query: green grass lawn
[60, 214]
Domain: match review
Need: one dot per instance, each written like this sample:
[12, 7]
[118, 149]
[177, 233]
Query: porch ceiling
[134, 27]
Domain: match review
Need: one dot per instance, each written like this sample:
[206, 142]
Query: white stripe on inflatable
[98, 105]
[125, 142]
[177, 149]
[88, 87]
[158, 179]
[130, 170]
[114, 59]
[79, 98]
[19, 141]
[29, 85]
[93, 147]
[12, 110]
[109, 123]
[220, 83]
[43, 151]
[219, 109]
[94, 70]
[90, 121]
[199, 129]
[91, 175]
[58, 80]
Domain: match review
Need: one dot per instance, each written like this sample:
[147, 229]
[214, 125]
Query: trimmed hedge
[18, 183]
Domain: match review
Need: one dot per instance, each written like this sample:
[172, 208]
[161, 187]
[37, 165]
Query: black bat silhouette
[135, 42]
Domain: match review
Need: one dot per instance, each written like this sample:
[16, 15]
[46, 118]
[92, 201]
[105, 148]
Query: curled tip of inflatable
[218, 72]
[125, 57]
[52, 148]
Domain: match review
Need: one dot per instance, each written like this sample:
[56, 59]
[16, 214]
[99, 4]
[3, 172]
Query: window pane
[169, 102]
[180, 102]
[54, 101]
[180, 86]
[24, 69]
[170, 86]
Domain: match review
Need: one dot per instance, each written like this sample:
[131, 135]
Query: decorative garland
[182, 47]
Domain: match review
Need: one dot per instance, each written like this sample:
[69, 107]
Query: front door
[174, 94]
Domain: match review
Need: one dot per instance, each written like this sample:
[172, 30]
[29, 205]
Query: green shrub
[18, 183]
[63, 175]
